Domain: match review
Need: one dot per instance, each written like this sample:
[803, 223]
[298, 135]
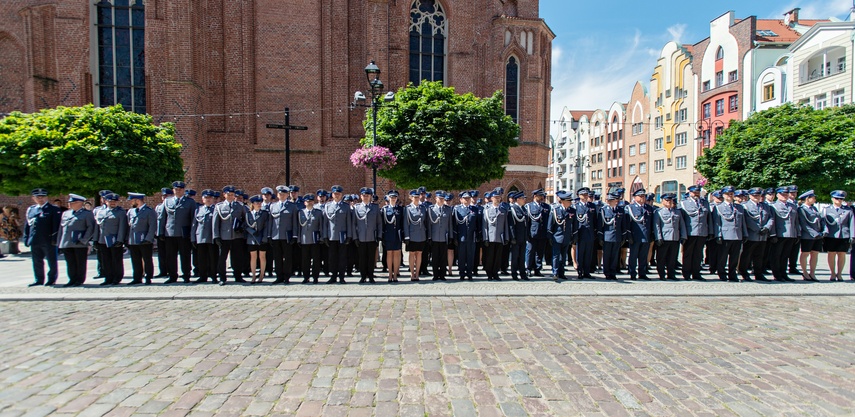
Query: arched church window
[428, 32]
[121, 54]
[512, 81]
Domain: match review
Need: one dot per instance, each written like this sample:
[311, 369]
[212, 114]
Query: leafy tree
[814, 149]
[85, 149]
[444, 140]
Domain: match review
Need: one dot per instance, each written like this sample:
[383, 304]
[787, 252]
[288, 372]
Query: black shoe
[537, 274]
[699, 279]
[161, 275]
[733, 279]
[135, 283]
[332, 281]
[747, 279]
[222, 283]
[186, 280]
[105, 283]
[371, 280]
[201, 280]
[362, 280]
[148, 281]
[305, 280]
[632, 278]
[341, 281]
[241, 280]
[35, 284]
[50, 284]
[644, 278]
[794, 271]
[524, 278]
[762, 278]
[515, 278]
[99, 276]
[171, 281]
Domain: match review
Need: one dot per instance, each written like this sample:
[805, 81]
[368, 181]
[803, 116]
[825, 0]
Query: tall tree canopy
[85, 149]
[444, 140]
[814, 149]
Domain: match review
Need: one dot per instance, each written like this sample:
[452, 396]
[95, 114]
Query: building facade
[222, 69]
[822, 62]
[636, 159]
[614, 158]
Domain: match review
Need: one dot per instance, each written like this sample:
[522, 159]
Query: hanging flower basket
[373, 157]
[702, 181]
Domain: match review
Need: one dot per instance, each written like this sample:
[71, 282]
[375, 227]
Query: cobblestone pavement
[429, 356]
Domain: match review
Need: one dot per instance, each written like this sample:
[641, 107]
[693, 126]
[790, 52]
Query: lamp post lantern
[372, 74]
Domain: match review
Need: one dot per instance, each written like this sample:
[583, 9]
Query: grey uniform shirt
[729, 221]
[757, 217]
[786, 219]
[229, 220]
[142, 225]
[439, 223]
[668, 225]
[415, 228]
[283, 220]
[810, 223]
[178, 214]
[203, 225]
[112, 225]
[839, 222]
[76, 229]
[495, 225]
[368, 221]
[696, 217]
[340, 221]
[310, 226]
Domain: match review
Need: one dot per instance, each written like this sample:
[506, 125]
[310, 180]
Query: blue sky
[602, 48]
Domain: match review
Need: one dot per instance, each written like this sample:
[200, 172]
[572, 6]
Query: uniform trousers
[112, 263]
[426, 259]
[492, 259]
[637, 265]
[559, 257]
[693, 255]
[310, 265]
[178, 246]
[780, 255]
[352, 257]
[728, 259]
[40, 253]
[337, 260]
[752, 257]
[517, 254]
[161, 257]
[365, 259]
[793, 256]
[75, 263]
[439, 254]
[611, 253]
[466, 258]
[506, 258]
[297, 257]
[585, 256]
[666, 259]
[852, 264]
[142, 263]
[231, 250]
[283, 259]
[712, 255]
[534, 251]
[99, 260]
[325, 256]
[207, 261]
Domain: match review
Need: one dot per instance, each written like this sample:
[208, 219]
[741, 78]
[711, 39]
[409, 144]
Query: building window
[719, 53]
[732, 77]
[719, 78]
[837, 98]
[121, 54]
[681, 139]
[659, 165]
[705, 86]
[820, 101]
[768, 92]
[427, 41]
[512, 89]
[599, 157]
[642, 168]
[681, 162]
[719, 107]
[657, 122]
[637, 128]
[706, 110]
[733, 103]
[631, 150]
[632, 169]
[718, 131]
[658, 144]
[682, 115]
[642, 148]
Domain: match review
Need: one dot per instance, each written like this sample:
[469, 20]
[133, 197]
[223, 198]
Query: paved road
[462, 356]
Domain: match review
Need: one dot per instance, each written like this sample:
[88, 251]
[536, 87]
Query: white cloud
[677, 31]
[817, 9]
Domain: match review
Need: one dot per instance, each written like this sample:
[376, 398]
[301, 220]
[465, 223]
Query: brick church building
[222, 69]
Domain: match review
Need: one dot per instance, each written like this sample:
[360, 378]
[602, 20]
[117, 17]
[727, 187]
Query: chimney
[792, 17]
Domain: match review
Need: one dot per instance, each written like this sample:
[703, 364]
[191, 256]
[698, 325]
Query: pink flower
[373, 157]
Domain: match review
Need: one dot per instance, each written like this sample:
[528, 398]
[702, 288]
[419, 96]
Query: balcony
[817, 74]
[826, 63]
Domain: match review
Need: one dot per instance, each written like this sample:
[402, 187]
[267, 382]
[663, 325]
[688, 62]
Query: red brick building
[241, 62]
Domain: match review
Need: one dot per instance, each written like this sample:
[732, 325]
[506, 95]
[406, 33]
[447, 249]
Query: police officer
[77, 229]
[467, 229]
[160, 211]
[97, 248]
[839, 233]
[640, 216]
[341, 228]
[112, 224]
[698, 222]
[786, 233]
[369, 225]
[142, 226]
[267, 199]
[202, 237]
[310, 233]
[178, 213]
[296, 250]
[229, 223]
[439, 234]
[611, 232]
[392, 234]
[496, 233]
[561, 227]
[624, 248]
[669, 231]
[535, 247]
[812, 229]
[759, 223]
[730, 230]
[793, 258]
[283, 233]
[41, 236]
[586, 233]
[415, 233]
[520, 228]
[322, 197]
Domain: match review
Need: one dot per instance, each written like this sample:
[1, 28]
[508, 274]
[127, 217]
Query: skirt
[258, 248]
[416, 246]
[833, 244]
[811, 245]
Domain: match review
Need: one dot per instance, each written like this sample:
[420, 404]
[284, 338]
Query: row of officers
[742, 230]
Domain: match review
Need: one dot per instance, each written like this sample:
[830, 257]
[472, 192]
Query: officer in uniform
[77, 229]
[496, 234]
[698, 222]
[624, 248]
[759, 222]
[41, 236]
[267, 199]
[611, 232]
[467, 227]
[586, 233]
[178, 219]
[228, 232]
[561, 227]
[415, 233]
[730, 230]
[369, 225]
[669, 231]
[839, 233]
[520, 228]
[479, 247]
[283, 234]
[786, 233]
[439, 234]
[812, 229]
[640, 233]
[322, 196]
[142, 226]
[310, 233]
[97, 248]
[112, 224]
[535, 247]
[296, 250]
[161, 244]
[793, 258]
[202, 237]
[341, 228]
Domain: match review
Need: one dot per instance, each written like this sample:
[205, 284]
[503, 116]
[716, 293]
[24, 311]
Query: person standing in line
[178, 218]
[160, 211]
[586, 233]
[439, 234]
[341, 228]
[369, 225]
[415, 233]
[202, 237]
[229, 222]
[41, 235]
[839, 233]
[77, 229]
[535, 247]
[639, 235]
[561, 227]
[730, 231]
[698, 222]
[283, 226]
[392, 234]
[467, 227]
[310, 233]
[669, 232]
[786, 233]
[611, 232]
[759, 223]
[257, 238]
[496, 234]
[520, 228]
[812, 229]
[112, 230]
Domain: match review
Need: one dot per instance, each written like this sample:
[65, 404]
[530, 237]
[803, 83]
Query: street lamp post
[372, 73]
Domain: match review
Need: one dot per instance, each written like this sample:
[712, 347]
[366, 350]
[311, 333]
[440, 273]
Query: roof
[577, 114]
[785, 33]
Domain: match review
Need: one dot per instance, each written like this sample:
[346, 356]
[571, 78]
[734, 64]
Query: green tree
[444, 140]
[85, 149]
[814, 149]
